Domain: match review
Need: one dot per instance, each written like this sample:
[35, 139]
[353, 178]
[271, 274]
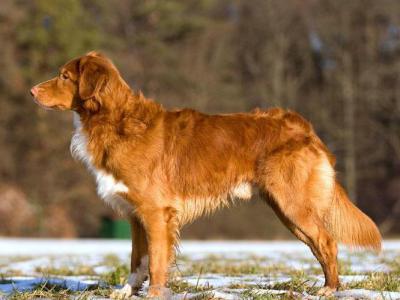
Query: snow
[21, 247]
[28, 283]
[367, 294]
[34, 247]
[29, 256]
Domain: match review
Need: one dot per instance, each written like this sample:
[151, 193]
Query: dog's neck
[131, 116]
[121, 106]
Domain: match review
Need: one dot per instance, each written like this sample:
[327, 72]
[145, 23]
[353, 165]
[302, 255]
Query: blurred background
[335, 61]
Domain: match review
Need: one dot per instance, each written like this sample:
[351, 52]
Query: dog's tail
[349, 225]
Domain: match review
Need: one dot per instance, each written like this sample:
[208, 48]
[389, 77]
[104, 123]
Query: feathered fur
[170, 167]
[349, 225]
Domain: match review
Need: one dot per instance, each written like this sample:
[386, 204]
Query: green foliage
[378, 282]
[181, 286]
[169, 20]
[118, 276]
[251, 294]
[62, 30]
[299, 283]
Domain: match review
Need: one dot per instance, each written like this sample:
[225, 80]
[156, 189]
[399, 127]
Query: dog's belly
[242, 191]
[194, 207]
[108, 188]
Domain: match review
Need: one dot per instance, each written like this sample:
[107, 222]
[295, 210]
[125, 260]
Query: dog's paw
[124, 293]
[326, 291]
[157, 292]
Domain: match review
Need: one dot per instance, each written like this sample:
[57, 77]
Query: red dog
[163, 169]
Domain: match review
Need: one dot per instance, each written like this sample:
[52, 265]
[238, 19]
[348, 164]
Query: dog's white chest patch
[108, 188]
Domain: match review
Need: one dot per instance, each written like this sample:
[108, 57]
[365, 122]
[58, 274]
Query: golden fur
[178, 165]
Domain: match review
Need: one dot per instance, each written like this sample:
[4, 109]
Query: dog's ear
[95, 53]
[92, 79]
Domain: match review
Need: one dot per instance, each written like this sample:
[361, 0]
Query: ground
[90, 269]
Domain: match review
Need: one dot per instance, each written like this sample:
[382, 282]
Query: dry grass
[377, 282]
[49, 291]
[299, 282]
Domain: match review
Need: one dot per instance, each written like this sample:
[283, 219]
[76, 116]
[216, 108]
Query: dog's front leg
[161, 229]
[139, 261]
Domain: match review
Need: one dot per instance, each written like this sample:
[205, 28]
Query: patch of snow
[28, 256]
[369, 267]
[352, 278]
[35, 247]
[223, 295]
[22, 284]
[367, 294]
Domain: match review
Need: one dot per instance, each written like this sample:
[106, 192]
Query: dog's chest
[108, 188]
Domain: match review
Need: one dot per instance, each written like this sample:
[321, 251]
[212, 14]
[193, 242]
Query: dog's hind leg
[322, 245]
[300, 189]
[319, 241]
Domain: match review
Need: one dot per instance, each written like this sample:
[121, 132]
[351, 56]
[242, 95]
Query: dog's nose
[34, 91]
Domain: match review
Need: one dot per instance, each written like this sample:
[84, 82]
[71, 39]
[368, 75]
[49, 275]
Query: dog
[163, 169]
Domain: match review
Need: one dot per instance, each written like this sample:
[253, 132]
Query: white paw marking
[135, 280]
[122, 293]
[326, 291]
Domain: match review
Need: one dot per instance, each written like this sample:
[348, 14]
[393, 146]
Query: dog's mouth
[52, 107]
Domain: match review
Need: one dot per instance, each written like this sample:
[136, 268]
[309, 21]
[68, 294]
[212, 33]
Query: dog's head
[82, 84]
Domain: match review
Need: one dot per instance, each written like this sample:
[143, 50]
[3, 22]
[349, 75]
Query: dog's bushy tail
[349, 225]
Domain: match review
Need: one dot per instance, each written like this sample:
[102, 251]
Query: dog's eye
[64, 76]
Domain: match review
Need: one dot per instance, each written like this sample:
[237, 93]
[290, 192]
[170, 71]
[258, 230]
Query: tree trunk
[349, 125]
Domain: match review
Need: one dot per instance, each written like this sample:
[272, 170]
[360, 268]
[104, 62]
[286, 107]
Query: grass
[230, 269]
[344, 267]
[394, 264]
[116, 277]
[377, 282]
[299, 282]
[218, 265]
[257, 295]
[111, 260]
[182, 286]
[65, 271]
[61, 292]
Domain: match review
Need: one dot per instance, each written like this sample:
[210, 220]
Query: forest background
[337, 62]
